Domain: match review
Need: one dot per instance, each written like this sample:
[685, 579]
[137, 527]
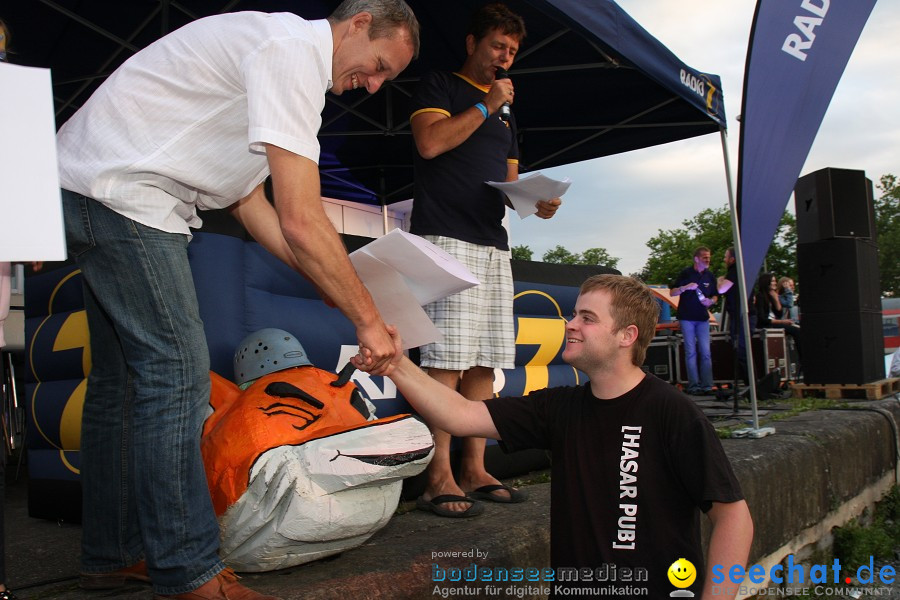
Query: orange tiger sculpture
[298, 466]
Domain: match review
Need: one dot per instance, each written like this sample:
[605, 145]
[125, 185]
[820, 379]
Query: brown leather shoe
[115, 579]
[223, 586]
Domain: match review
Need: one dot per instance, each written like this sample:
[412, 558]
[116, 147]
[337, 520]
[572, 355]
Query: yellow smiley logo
[682, 573]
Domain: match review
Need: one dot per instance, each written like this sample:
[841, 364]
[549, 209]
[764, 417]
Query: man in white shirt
[197, 120]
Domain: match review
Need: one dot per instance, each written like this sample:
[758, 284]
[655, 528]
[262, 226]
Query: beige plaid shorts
[477, 323]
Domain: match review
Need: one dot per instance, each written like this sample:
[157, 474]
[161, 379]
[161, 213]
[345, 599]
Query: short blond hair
[632, 303]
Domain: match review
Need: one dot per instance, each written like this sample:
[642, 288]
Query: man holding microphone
[463, 140]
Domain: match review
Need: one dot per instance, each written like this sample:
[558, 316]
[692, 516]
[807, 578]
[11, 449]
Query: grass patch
[856, 542]
[533, 478]
[797, 406]
[802, 405]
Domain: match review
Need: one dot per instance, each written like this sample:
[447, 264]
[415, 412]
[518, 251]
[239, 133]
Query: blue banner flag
[797, 53]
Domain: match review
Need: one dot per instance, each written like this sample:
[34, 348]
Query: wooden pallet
[848, 391]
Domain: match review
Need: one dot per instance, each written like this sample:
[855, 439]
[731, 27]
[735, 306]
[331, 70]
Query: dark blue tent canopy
[590, 81]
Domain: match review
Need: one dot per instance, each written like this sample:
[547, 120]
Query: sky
[635, 194]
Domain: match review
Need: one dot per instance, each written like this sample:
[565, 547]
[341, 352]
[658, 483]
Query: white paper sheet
[403, 272]
[396, 303]
[429, 271]
[526, 191]
[31, 222]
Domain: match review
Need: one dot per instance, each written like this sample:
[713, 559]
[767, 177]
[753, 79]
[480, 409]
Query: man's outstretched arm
[298, 231]
[439, 405]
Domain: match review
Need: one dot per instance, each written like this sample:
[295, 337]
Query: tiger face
[299, 469]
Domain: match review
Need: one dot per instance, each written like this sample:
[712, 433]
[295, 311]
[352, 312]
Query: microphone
[501, 73]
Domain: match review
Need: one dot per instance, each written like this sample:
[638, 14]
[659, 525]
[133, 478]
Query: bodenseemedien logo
[608, 580]
[682, 574]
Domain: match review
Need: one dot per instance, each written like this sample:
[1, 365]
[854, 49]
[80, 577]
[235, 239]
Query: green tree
[591, 256]
[560, 255]
[599, 256]
[671, 250]
[782, 256]
[522, 252]
[887, 223]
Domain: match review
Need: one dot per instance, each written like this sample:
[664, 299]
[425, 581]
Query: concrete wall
[820, 470]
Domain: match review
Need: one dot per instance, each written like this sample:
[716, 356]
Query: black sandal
[8, 595]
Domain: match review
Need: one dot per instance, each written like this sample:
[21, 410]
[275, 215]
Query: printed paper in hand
[526, 191]
[403, 272]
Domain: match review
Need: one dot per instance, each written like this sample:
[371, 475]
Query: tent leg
[754, 431]
[383, 198]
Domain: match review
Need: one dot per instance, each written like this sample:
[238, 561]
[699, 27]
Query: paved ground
[395, 563]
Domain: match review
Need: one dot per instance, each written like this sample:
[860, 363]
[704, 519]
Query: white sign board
[31, 221]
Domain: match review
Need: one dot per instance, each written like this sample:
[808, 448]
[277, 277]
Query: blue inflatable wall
[242, 288]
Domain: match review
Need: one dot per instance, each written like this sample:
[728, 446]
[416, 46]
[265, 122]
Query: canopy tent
[590, 80]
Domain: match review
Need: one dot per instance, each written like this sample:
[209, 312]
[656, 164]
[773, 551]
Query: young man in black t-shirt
[634, 460]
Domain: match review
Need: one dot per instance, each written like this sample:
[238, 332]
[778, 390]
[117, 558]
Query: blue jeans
[696, 354]
[144, 485]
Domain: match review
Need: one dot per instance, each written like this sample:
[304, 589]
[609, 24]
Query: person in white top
[198, 120]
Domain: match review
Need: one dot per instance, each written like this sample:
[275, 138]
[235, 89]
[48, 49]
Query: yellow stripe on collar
[483, 88]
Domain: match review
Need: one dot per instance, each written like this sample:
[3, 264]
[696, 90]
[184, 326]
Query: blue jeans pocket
[79, 236]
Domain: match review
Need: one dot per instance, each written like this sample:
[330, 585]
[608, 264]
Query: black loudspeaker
[834, 203]
[838, 275]
[659, 359]
[842, 347]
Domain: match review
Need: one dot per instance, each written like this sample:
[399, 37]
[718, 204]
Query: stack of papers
[403, 272]
[526, 191]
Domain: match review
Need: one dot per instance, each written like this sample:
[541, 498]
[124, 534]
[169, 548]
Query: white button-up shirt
[181, 124]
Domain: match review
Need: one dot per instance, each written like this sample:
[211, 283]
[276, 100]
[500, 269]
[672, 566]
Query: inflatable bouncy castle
[241, 288]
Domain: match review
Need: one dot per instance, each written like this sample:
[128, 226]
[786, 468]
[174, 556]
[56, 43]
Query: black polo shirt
[451, 197]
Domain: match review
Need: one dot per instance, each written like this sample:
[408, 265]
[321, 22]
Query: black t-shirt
[451, 197]
[629, 477]
[765, 310]
[732, 304]
[689, 306]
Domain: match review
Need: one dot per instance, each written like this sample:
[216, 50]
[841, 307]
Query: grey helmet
[267, 351]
